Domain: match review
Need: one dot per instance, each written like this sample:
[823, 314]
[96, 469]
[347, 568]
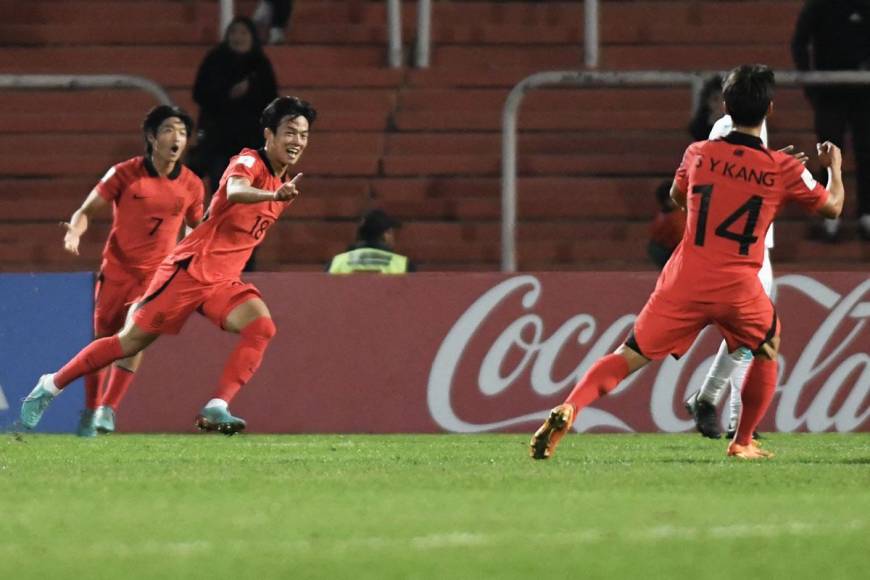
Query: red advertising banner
[429, 353]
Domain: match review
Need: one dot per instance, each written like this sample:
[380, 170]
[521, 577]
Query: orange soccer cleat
[545, 439]
[751, 451]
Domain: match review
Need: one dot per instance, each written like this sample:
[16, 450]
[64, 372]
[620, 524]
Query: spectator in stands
[709, 109]
[233, 85]
[835, 35]
[274, 15]
[373, 251]
[667, 227]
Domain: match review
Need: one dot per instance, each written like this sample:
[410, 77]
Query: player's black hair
[157, 115]
[748, 91]
[286, 107]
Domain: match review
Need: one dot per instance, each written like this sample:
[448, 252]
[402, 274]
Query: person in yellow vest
[373, 251]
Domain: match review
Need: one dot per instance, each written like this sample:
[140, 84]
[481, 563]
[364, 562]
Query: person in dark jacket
[833, 35]
[234, 83]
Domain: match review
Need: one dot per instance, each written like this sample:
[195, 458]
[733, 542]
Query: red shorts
[666, 326]
[174, 294]
[113, 295]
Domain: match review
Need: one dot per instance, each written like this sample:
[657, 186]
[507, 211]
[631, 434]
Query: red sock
[119, 381]
[93, 382]
[600, 379]
[93, 357]
[758, 389]
[246, 357]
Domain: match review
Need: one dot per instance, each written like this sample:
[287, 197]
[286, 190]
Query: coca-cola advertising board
[472, 353]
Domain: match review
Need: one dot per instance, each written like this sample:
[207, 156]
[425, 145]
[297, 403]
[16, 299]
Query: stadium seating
[423, 144]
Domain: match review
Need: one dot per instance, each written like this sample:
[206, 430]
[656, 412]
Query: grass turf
[380, 507]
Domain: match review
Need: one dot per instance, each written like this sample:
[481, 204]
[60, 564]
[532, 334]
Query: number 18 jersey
[734, 188]
[219, 248]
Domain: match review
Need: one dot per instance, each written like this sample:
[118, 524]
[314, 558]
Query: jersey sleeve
[801, 187]
[682, 176]
[197, 205]
[247, 166]
[112, 183]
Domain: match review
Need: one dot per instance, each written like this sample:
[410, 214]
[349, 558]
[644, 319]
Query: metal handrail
[610, 79]
[394, 33]
[424, 33]
[85, 82]
[225, 15]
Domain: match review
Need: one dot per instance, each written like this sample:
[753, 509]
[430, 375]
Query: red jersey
[148, 210]
[222, 244]
[735, 187]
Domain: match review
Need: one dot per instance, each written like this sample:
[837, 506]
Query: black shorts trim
[631, 342]
[771, 332]
[160, 290]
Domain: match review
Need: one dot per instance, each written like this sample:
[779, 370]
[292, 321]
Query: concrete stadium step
[284, 58]
[491, 120]
[93, 121]
[95, 164]
[127, 145]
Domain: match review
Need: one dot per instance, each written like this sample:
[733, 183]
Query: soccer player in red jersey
[151, 196]
[732, 189]
[203, 273]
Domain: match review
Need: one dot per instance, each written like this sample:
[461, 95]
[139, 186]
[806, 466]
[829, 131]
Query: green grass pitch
[439, 507]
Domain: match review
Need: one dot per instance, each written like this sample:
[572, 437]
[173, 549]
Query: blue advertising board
[44, 320]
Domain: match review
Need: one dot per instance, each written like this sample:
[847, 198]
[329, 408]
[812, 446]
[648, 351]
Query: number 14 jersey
[219, 248]
[734, 188]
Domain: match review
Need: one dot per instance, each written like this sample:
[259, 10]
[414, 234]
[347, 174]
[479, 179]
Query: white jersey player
[728, 368]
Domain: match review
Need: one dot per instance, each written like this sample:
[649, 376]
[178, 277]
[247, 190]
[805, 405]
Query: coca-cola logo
[832, 366]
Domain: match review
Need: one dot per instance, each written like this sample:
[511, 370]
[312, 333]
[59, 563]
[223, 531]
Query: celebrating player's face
[289, 140]
[170, 140]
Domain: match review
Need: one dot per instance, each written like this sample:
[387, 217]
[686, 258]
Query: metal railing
[85, 82]
[226, 12]
[611, 79]
[394, 33]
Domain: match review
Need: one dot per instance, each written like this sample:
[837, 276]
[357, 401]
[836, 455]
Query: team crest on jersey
[179, 205]
[246, 160]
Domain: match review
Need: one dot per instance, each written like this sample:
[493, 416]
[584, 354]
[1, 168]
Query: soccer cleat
[751, 451]
[104, 419]
[219, 419]
[86, 424]
[704, 415]
[545, 439]
[35, 404]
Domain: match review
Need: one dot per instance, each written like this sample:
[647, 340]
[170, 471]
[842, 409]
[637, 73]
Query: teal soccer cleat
[104, 419]
[219, 419]
[35, 404]
[86, 424]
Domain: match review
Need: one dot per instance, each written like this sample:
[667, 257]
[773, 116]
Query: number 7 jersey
[219, 248]
[734, 188]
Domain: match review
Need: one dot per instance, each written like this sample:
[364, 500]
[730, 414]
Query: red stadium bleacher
[424, 144]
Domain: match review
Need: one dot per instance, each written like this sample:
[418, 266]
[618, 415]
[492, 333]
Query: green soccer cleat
[35, 404]
[86, 424]
[219, 419]
[104, 419]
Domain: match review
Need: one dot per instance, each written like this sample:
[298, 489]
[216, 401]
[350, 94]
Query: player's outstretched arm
[78, 223]
[831, 158]
[239, 190]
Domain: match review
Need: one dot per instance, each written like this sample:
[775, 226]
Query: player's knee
[261, 329]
